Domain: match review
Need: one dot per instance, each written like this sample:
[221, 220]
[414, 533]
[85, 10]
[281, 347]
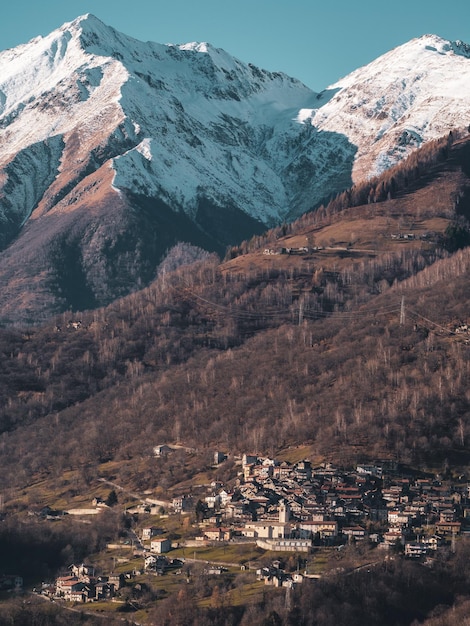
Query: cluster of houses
[301, 250]
[408, 236]
[275, 576]
[413, 236]
[81, 585]
[293, 507]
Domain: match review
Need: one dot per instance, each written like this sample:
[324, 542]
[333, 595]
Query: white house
[267, 529]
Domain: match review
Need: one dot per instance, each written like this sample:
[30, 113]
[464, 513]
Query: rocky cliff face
[112, 150]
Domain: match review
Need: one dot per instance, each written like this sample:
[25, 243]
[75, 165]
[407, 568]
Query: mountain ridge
[104, 135]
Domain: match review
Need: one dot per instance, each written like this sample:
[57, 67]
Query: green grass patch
[231, 553]
[99, 607]
[295, 454]
[248, 592]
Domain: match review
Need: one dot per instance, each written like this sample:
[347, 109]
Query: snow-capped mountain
[181, 123]
[111, 150]
[417, 92]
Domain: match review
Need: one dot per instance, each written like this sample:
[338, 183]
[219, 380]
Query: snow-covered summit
[216, 126]
[129, 146]
[412, 94]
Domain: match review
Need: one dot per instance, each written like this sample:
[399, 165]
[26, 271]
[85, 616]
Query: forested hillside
[350, 346]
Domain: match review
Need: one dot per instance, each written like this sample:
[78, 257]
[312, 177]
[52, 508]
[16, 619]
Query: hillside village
[294, 508]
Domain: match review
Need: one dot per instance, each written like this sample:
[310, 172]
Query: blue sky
[317, 42]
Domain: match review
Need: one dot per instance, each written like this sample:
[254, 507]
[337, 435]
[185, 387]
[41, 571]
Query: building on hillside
[219, 457]
[218, 534]
[162, 450]
[249, 459]
[356, 533]
[150, 531]
[284, 512]
[71, 589]
[285, 545]
[82, 570]
[370, 470]
[415, 550]
[160, 546]
[393, 539]
[448, 528]
[326, 529]
[267, 530]
[183, 504]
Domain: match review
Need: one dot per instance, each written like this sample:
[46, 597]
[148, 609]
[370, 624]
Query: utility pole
[288, 601]
[301, 312]
[402, 311]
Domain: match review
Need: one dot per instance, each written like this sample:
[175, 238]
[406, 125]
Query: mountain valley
[201, 259]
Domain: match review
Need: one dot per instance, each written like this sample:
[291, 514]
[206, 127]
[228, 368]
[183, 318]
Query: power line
[443, 328]
[301, 312]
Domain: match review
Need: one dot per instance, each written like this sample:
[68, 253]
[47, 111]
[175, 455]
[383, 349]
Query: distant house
[249, 459]
[182, 504]
[325, 528]
[99, 502]
[159, 546]
[267, 530]
[212, 501]
[215, 570]
[218, 534]
[285, 545]
[447, 515]
[219, 457]
[81, 594]
[82, 570]
[396, 517]
[103, 590]
[448, 528]
[116, 580]
[235, 509]
[354, 532]
[150, 561]
[162, 450]
[150, 531]
[370, 470]
[225, 497]
[70, 586]
[432, 542]
[415, 550]
[392, 539]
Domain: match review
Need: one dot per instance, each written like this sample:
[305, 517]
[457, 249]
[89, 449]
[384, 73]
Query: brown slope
[433, 192]
[96, 244]
[255, 356]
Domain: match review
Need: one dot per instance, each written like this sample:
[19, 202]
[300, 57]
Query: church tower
[284, 512]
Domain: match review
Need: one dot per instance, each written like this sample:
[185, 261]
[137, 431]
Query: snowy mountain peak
[116, 148]
[434, 43]
[414, 93]
[202, 46]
